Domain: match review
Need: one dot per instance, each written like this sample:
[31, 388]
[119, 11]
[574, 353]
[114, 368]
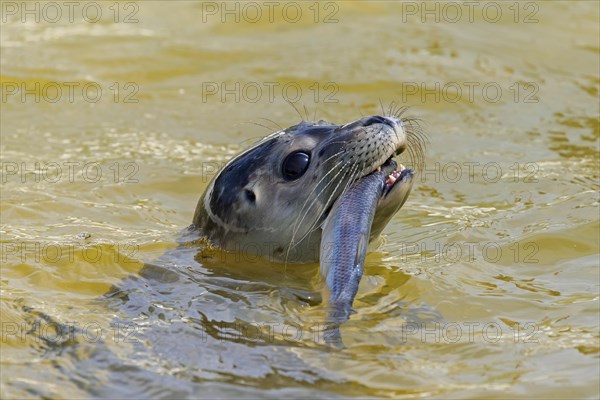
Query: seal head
[272, 199]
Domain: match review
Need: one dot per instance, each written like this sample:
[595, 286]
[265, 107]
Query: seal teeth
[391, 178]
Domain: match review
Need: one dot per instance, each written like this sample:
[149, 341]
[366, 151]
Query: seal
[273, 198]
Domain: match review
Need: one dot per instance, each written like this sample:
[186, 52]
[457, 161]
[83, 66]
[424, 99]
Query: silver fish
[347, 233]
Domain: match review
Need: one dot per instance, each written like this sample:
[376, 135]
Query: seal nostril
[250, 196]
[375, 119]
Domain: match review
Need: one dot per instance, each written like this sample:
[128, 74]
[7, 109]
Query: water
[486, 283]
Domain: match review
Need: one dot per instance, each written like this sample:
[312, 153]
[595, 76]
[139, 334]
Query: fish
[347, 233]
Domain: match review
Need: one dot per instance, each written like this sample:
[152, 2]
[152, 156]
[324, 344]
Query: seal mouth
[394, 174]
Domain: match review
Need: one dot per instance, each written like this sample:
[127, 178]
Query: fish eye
[295, 165]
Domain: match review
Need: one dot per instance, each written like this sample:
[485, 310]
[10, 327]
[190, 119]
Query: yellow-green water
[486, 285]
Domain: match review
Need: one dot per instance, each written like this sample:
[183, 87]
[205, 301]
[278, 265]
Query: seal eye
[295, 165]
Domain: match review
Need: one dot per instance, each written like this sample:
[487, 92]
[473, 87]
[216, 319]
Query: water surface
[485, 285]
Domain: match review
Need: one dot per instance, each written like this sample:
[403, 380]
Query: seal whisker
[270, 129]
[381, 104]
[296, 224]
[296, 109]
[362, 115]
[416, 153]
[328, 202]
[391, 110]
[315, 225]
[354, 174]
[402, 110]
[417, 139]
[391, 107]
[315, 188]
[273, 122]
[306, 113]
[388, 144]
[292, 243]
